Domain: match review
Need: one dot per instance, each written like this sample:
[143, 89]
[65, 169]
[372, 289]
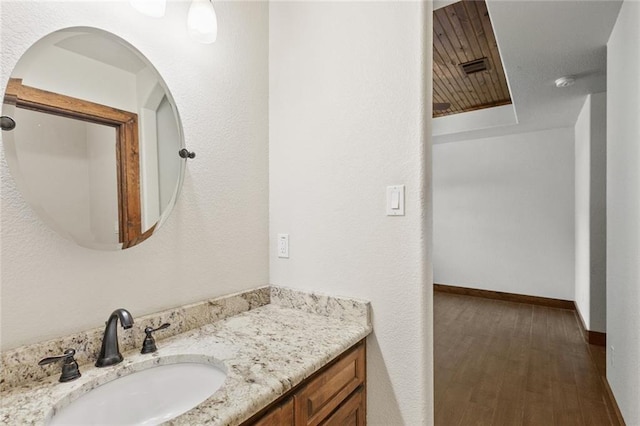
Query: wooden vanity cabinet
[333, 396]
[351, 413]
[281, 415]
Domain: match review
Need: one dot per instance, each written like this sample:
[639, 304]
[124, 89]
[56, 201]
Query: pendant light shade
[202, 21]
[154, 8]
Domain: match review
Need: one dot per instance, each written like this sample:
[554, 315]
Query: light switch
[395, 200]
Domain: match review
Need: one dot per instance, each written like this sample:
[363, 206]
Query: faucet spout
[110, 351]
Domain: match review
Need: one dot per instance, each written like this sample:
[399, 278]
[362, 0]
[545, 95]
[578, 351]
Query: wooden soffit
[463, 38]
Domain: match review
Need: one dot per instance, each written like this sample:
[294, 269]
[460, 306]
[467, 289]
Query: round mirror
[91, 135]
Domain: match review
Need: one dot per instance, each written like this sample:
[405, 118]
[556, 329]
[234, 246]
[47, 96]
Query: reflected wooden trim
[127, 146]
[146, 234]
[509, 297]
[28, 97]
[129, 184]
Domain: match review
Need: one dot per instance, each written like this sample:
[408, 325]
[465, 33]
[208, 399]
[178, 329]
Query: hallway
[505, 363]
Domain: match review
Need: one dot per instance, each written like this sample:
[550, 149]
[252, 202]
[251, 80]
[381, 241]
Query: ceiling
[540, 41]
[467, 69]
[102, 49]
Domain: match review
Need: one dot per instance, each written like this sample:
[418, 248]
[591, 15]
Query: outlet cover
[283, 246]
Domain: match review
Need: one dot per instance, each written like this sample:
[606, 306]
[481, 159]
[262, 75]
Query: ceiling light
[202, 21]
[154, 8]
[565, 81]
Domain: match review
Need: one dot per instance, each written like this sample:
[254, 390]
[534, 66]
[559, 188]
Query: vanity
[101, 161]
[335, 395]
[290, 358]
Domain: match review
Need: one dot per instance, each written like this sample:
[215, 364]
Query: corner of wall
[582, 211]
[623, 210]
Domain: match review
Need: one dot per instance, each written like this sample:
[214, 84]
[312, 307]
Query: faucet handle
[70, 369]
[149, 344]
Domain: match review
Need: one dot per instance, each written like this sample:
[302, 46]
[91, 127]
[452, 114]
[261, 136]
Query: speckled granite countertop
[265, 352]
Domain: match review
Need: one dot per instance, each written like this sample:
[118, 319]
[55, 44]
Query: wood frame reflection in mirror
[127, 149]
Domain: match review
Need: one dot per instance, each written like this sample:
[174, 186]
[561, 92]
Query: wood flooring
[506, 363]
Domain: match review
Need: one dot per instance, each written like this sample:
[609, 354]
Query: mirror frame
[127, 151]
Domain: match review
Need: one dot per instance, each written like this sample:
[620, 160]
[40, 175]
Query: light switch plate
[395, 200]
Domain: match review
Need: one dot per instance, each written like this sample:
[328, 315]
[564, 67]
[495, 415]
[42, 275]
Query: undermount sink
[147, 397]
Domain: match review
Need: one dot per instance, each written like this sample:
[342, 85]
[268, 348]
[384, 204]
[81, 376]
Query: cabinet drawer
[324, 393]
[351, 412]
[282, 415]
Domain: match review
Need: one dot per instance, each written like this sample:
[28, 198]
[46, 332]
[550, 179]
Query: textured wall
[216, 240]
[503, 213]
[347, 118]
[623, 211]
[598, 206]
[590, 216]
[582, 215]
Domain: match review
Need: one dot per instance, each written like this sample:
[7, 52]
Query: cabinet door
[282, 415]
[324, 393]
[350, 413]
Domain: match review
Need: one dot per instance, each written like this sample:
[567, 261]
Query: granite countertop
[265, 351]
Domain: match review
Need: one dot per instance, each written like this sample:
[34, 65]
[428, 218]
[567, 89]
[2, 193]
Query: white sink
[147, 397]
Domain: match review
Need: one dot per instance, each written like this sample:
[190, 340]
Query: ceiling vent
[475, 66]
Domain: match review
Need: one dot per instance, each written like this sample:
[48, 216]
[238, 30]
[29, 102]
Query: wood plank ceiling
[462, 33]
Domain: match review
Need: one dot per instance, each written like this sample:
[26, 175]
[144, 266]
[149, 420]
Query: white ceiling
[103, 49]
[540, 41]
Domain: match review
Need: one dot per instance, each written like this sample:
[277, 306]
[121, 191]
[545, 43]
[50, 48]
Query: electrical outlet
[612, 354]
[283, 246]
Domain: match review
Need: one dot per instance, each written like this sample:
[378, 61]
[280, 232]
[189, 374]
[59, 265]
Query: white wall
[168, 146]
[103, 185]
[150, 94]
[68, 173]
[623, 211]
[216, 240]
[347, 118]
[453, 127]
[590, 216]
[503, 212]
[598, 221]
[582, 206]
[71, 74]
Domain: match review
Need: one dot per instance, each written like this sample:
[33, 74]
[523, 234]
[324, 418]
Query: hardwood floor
[506, 363]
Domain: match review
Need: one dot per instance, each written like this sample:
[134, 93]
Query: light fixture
[202, 21]
[154, 8]
[565, 81]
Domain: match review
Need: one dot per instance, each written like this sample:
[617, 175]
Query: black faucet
[110, 352]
